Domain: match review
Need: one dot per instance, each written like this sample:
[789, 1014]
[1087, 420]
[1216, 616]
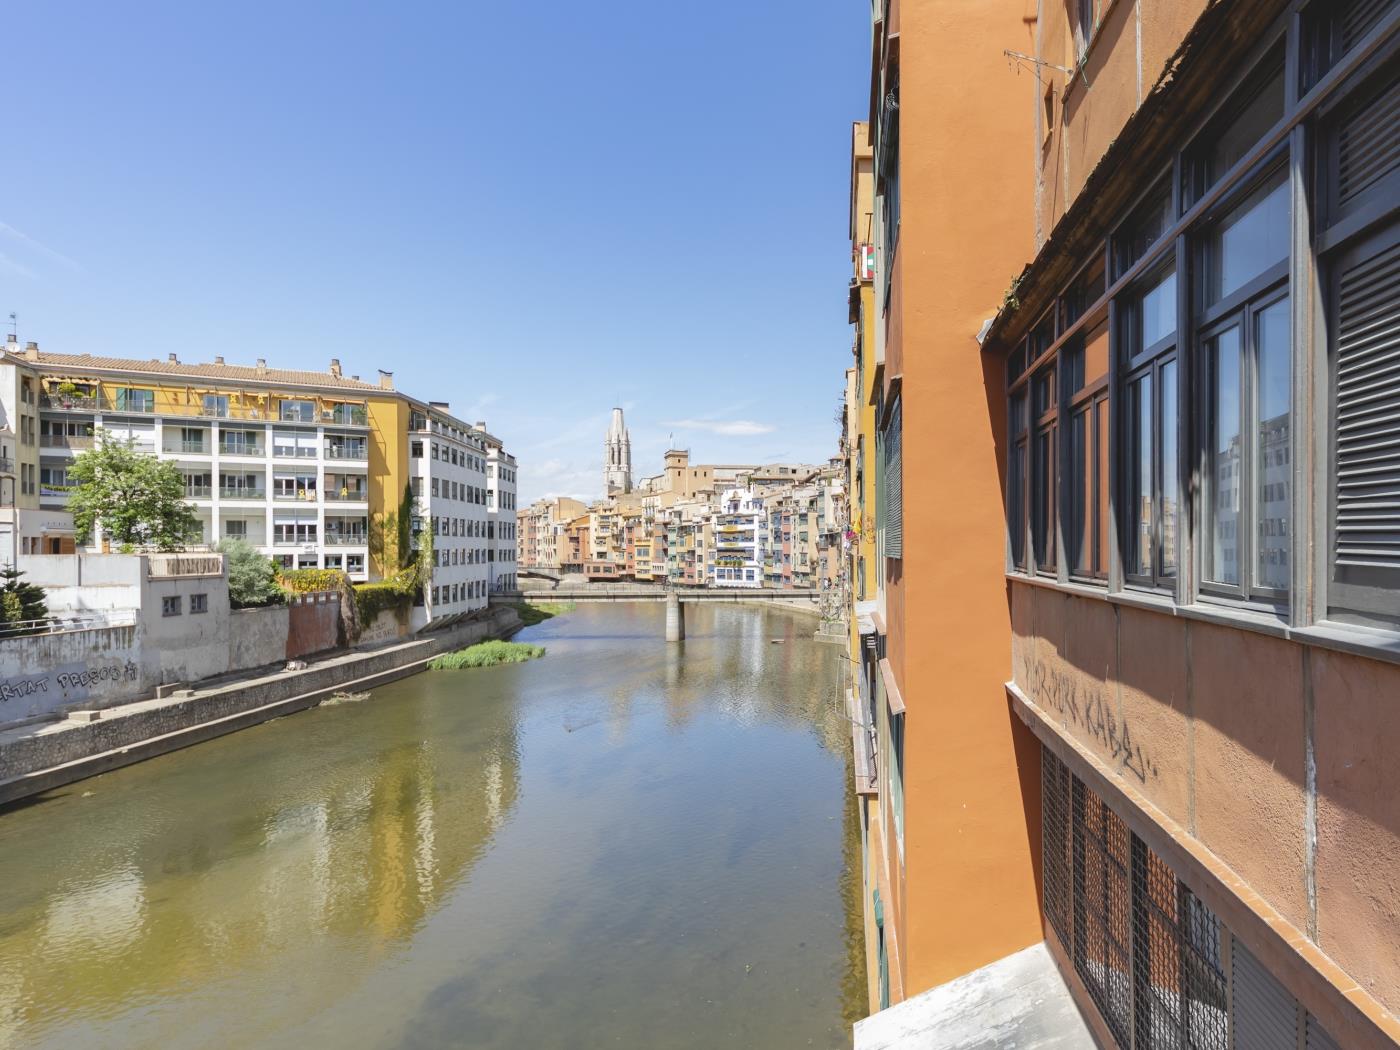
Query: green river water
[625, 844]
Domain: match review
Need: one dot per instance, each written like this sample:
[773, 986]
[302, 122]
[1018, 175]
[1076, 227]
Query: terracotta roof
[181, 369]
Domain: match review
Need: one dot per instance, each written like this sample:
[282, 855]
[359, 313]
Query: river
[624, 844]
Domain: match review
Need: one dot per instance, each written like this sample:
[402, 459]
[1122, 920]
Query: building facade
[617, 457]
[738, 540]
[1157, 469]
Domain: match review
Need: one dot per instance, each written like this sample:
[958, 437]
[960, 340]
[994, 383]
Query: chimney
[355, 378]
[219, 359]
[31, 351]
[386, 380]
[481, 424]
[12, 343]
[174, 360]
[262, 366]
[335, 367]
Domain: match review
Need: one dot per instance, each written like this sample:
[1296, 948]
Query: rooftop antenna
[14, 326]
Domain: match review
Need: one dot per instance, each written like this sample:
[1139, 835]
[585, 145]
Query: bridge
[640, 592]
[542, 572]
[674, 598]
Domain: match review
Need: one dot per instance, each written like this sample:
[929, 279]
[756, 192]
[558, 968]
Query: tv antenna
[14, 326]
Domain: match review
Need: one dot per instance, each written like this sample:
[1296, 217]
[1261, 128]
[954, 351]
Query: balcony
[7, 465]
[243, 450]
[294, 541]
[292, 452]
[193, 448]
[66, 441]
[241, 493]
[70, 402]
[354, 452]
[346, 495]
[299, 496]
[347, 539]
[198, 491]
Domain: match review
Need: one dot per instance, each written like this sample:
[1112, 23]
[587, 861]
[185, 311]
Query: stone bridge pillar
[675, 618]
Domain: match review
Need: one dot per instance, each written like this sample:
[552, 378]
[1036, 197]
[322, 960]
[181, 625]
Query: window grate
[1055, 843]
[1101, 908]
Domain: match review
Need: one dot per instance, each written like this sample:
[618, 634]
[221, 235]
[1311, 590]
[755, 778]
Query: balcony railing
[250, 494]
[197, 491]
[301, 495]
[292, 452]
[196, 448]
[65, 441]
[243, 450]
[347, 496]
[347, 539]
[71, 402]
[293, 541]
[347, 451]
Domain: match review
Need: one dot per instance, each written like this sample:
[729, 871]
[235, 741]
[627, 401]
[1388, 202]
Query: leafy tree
[252, 577]
[137, 500]
[20, 602]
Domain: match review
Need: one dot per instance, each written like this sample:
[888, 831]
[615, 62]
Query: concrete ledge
[42, 758]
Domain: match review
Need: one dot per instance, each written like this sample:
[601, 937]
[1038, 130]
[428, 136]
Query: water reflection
[627, 842]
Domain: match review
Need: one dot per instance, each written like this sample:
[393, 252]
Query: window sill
[1369, 642]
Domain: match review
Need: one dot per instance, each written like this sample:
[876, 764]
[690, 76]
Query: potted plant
[66, 390]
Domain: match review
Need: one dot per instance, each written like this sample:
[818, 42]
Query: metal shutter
[1317, 1038]
[1368, 144]
[1367, 450]
[1359, 18]
[1265, 1016]
[894, 484]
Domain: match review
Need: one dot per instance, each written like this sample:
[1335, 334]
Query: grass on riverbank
[486, 654]
[532, 613]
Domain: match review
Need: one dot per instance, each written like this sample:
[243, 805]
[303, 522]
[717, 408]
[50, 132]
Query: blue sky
[531, 210]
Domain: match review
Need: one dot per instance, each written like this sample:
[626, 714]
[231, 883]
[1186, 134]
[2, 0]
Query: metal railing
[251, 494]
[65, 441]
[197, 491]
[350, 496]
[347, 451]
[347, 539]
[243, 450]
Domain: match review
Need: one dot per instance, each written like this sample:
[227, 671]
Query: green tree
[20, 602]
[391, 535]
[252, 577]
[137, 500]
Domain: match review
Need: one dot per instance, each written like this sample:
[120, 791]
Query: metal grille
[1055, 843]
[1102, 925]
[1266, 1016]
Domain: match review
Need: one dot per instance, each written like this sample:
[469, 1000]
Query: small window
[1246, 119]
[416, 449]
[170, 606]
[297, 411]
[1249, 242]
[199, 603]
[1142, 231]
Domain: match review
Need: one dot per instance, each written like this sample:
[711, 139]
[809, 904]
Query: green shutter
[894, 483]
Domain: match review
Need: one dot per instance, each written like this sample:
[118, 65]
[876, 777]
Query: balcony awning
[865, 616]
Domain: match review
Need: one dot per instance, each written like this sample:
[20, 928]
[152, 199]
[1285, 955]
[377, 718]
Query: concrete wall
[188, 645]
[1215, 726]
[389, 626]
[257, 637]
[166, 725]
[78, 584]
[42, 675]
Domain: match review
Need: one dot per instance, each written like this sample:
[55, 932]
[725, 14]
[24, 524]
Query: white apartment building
[738, 545]
[447, 468]
[502, 525]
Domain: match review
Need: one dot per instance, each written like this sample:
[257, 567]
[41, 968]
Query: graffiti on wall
[67, 681]
[1090, 711]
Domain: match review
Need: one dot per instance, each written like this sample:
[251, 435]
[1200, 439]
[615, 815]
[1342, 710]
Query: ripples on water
[624, 844]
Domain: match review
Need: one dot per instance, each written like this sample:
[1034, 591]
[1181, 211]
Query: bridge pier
[675, 618]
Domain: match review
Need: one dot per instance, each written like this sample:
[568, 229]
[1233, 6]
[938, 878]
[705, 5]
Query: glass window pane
[1043, 498]
[1079, 542]
[1101, 485]
[1143, 231]
[1272, 478]
[1158, 313]
[1137, 554]
[1223, 459]
[1167, 556]
[1249, 240]
[1249, 125]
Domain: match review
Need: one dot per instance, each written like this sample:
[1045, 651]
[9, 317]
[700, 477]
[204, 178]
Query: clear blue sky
[531, 210]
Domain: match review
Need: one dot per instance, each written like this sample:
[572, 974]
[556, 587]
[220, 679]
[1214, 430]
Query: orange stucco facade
[1239, 744]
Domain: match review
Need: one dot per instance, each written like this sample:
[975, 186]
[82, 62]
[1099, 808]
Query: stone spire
[617, 457]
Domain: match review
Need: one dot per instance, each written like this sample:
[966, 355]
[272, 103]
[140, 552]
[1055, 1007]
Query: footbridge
[675, 599]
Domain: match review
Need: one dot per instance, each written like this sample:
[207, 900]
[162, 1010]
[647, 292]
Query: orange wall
[971, 769]
[1210, 724]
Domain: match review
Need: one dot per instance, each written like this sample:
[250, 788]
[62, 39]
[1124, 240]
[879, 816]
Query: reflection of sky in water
[627, 842]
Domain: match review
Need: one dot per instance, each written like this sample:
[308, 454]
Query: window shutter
[1265, 1015]
[1366, 443]
[894, 484]
[1368, 145]
[1317, 1039]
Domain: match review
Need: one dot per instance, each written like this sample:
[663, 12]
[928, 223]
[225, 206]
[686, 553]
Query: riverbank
[38, 758]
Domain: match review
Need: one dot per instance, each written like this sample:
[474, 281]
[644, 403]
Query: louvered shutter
[1366, 438]
[1367, 147]
[1265, 1016]
[894, 484]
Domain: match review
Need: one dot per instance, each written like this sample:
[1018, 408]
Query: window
[1082, 12]
[240, 442]
[235, 528]
[1043, 469]
[894, 483]
[129, 399]
[1245, 354]
[296, 411]
[170, 605]
[216, 405]
[199, 603]
[1245, 120]
[355, 563]
[415, 449]
[1142, 232]
[1332, 28]
[1086, 517]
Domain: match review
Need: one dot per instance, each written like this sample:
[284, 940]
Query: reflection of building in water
[359, 851]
